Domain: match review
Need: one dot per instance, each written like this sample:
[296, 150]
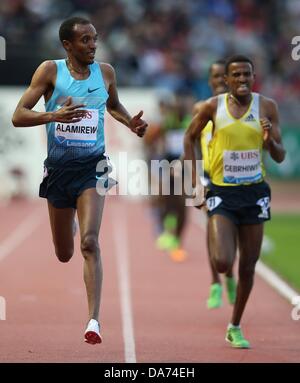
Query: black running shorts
[63, 185]
[243, 204]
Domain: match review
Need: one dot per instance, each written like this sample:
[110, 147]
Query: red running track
[153, 310]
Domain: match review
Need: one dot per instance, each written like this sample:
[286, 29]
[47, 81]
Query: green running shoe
[231, 290]
[215, 296]
[236, 338]
[167, 241]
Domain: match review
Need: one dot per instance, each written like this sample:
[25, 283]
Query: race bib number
[241, 166]
[213, 202]
[82, 133]
[174, 142]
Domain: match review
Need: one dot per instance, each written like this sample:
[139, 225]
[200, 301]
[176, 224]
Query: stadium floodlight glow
[296, 50]
[2, 48]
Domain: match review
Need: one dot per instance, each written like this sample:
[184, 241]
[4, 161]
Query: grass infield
[281, 247]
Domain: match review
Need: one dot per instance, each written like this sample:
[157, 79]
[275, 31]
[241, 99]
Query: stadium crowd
[168, 43]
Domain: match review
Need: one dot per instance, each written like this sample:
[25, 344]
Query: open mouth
[243, 87]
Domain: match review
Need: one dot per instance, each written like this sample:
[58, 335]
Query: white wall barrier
[23, 150]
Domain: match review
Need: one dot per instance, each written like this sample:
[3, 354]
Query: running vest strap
[235, 150]
[77, 142]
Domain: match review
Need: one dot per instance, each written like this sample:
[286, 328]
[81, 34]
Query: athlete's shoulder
[45, 72]
[107, 68]
[211, 103]
[206, 109]
[47, 69]
[48, 65]
[197, 106]
[108, 73]
[268, 103]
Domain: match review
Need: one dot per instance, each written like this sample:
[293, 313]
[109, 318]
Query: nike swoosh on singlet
[92, 90]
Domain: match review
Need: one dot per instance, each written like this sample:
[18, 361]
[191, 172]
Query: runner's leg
[250, 240]
[89, 209]
[62, 227]
[222, 233]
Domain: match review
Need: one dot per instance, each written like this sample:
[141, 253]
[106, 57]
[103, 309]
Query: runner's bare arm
[42, 81]
[114, 106]
[197, 106]
[198, 151]
[205, 113]
[272, 134]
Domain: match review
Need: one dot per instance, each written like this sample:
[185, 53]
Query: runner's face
[84, 43]
[240, 78]
[217, 80]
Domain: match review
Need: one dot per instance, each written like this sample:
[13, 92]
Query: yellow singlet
[235, 151]
[205, 137]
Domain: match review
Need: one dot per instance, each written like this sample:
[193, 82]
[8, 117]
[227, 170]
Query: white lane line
[120, 235]
[261, 269]
[20, 233]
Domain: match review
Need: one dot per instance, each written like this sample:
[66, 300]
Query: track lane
[46, 304]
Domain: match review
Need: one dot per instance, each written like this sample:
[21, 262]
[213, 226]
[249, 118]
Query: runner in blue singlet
[76, 91]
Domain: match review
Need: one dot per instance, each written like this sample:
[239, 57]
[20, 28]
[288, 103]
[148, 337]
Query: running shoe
[231, 290]
[215, 296]
[178, 255]
[92, 332]
[236, 338]
[167, 241]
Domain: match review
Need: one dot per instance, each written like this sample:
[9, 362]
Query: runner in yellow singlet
[218, 86]
[238, 201]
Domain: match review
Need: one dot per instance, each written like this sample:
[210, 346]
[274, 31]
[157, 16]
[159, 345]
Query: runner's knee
[247, 272]
[64, 255]
[89, 245]
[222, 265]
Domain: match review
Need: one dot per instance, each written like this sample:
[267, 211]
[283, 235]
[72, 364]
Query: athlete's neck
[241, 100]
[76, 67]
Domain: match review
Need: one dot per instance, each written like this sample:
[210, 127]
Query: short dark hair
[66, 30]
[237, 59]
[217, 62]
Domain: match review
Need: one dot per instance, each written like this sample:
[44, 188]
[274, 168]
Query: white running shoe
[92, 332]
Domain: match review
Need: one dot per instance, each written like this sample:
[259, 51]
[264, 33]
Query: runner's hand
[267, 128]
[198, 194]
[69, 112]
[137, 125]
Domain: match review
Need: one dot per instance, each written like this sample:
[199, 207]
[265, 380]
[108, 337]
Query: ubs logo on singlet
[2, 48]
[234, 156]
[247, 155]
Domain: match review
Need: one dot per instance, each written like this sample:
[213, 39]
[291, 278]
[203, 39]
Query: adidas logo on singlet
[250, 118]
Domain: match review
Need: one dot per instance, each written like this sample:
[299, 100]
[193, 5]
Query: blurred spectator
[164, 43]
